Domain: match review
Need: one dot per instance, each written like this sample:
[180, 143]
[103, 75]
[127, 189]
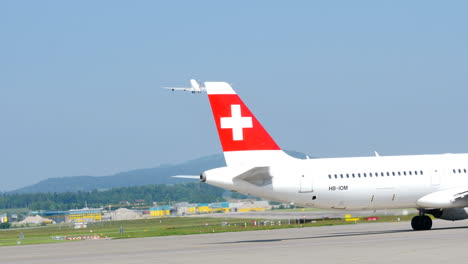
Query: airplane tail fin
[195, 85]
[244, 140]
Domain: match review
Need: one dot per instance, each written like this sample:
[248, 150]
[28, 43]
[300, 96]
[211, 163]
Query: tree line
[162, 194]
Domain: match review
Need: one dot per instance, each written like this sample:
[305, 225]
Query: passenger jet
[256, 165]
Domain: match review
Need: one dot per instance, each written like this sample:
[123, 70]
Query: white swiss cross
[237, 122]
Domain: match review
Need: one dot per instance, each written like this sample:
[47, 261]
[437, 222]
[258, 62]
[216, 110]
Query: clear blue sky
[80, 81]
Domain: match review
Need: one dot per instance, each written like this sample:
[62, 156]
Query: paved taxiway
[357, 243]
[318, 214]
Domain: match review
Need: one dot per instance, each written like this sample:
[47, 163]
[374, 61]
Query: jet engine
[451, 214]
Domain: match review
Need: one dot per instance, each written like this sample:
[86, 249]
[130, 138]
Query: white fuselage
[351, 183]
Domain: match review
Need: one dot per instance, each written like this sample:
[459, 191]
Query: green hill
[139, 177]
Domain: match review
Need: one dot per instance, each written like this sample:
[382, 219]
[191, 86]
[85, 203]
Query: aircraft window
[454, 171]
[399, 174]
[336, 176]
[347, 175]
[365, 175]
[359, 175]
[354, 176]
[329, 176]
[464, 170]
[370, 174]
[410, 173]
[388, 173]
[393, 173]
[382, 174]
[415, 173]
[341, 175]
[422, 173]
[459, 170]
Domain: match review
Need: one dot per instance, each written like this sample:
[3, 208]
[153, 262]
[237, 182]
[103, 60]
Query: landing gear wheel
[421, 222]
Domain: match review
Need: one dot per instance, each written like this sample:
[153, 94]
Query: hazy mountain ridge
[138, 177]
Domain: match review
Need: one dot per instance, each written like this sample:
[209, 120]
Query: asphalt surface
[356, 243]
[319, 214]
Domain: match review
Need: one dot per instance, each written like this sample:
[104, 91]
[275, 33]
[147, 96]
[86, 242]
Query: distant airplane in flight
[194, 87]
[433, 184]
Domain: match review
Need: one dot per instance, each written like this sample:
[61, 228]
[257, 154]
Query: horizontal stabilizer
[258, 176]
[193, 177]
